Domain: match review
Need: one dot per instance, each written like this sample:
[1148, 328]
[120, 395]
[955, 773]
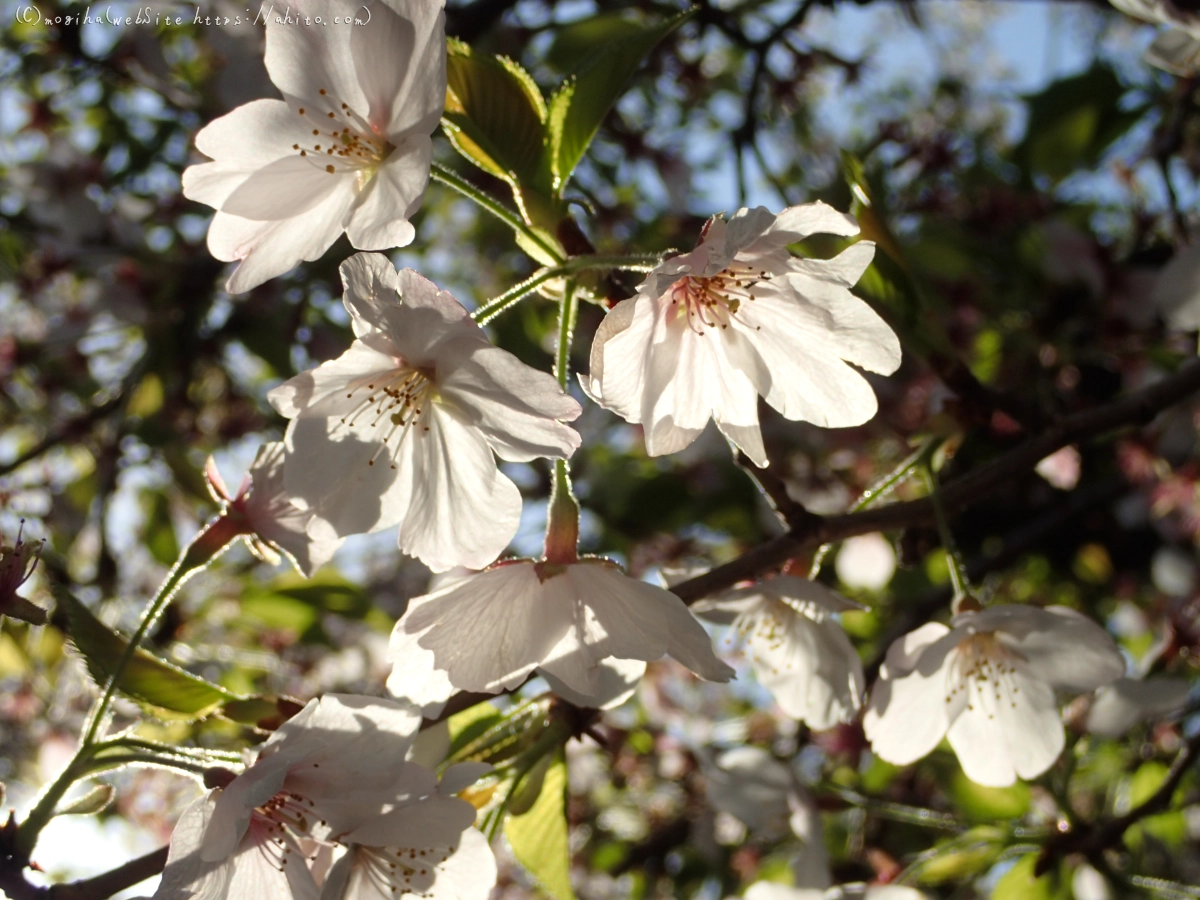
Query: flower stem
[562, 515]
[958, 571]
[640, 262]
[453, 180]
[207, 545]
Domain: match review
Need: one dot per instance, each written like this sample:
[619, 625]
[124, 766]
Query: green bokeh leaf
[166, 690]
[1019, 883]
[593, 86]
[1073, 121]
[539, 837]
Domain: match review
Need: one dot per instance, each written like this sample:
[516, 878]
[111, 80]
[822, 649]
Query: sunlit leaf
[539, 837]
[593, 86]
[167, 690]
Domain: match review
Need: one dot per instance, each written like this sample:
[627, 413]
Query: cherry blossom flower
[1119, 706]
[348, 148]
[333, 776]
[799, 651]
[769, 890]
[277, 525]
[758, 790]
[487, 632]
[16, 565]
[1177, 47]
[988, 685]
[737, 317]
[402, 427]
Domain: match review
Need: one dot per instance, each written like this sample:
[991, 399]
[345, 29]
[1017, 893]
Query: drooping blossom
[333, 778]
[402, 427]
[738, 317]
[759, 791]
[799, 651]
[348, 148]
[16, 565]
[769, 890]
[987, 685]
[1119, 706]
[487, 632]
[1177, 47]
[275, 524]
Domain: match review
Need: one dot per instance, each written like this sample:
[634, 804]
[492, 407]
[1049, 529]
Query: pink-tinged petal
[780, 348]
[811, 668]
[614, 682]
[262, 869]
[269, 249]
[907, 716]
[277, 520]
[322, 391]
[905, 653]
[520, 410]
[466, 871]
[1007, 730]
[641, 621]
[400, 59]
[253, 135]
[349, 481]
[490, 631]
[618, 392]
[798, 222]
[845, 269]
[371, 293]
[1119, 706]
[379, 219]
[741, 231]
[463, 510]
[286, 188]
[415, 676]
[316, 64]
[232, 807]
[432, 822]
[187, 876]
[1071, 652]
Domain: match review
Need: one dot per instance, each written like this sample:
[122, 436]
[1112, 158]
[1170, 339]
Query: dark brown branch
[1134, 408]
[76, 427]
[1092, 840]
[100, 887]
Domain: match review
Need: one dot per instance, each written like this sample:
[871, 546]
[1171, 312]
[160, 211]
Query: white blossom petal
[1008, 730]
[1120, 705]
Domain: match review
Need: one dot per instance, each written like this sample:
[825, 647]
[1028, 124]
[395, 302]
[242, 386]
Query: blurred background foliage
[1028, 175]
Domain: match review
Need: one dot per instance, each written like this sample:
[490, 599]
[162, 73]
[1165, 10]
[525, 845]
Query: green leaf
[989, 804]
[593, 86]
[1073, 121]
[1019, 883]
[495, 115]
[168, 691]
[539, 837]
[470, 724]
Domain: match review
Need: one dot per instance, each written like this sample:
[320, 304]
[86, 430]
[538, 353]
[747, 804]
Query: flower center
[712, 301]
[390, 406]
[405, 871]
[984, 669]
[343, 139]
[277, 826]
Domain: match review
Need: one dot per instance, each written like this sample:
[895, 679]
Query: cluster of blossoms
[405, 430]
[334, 807]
